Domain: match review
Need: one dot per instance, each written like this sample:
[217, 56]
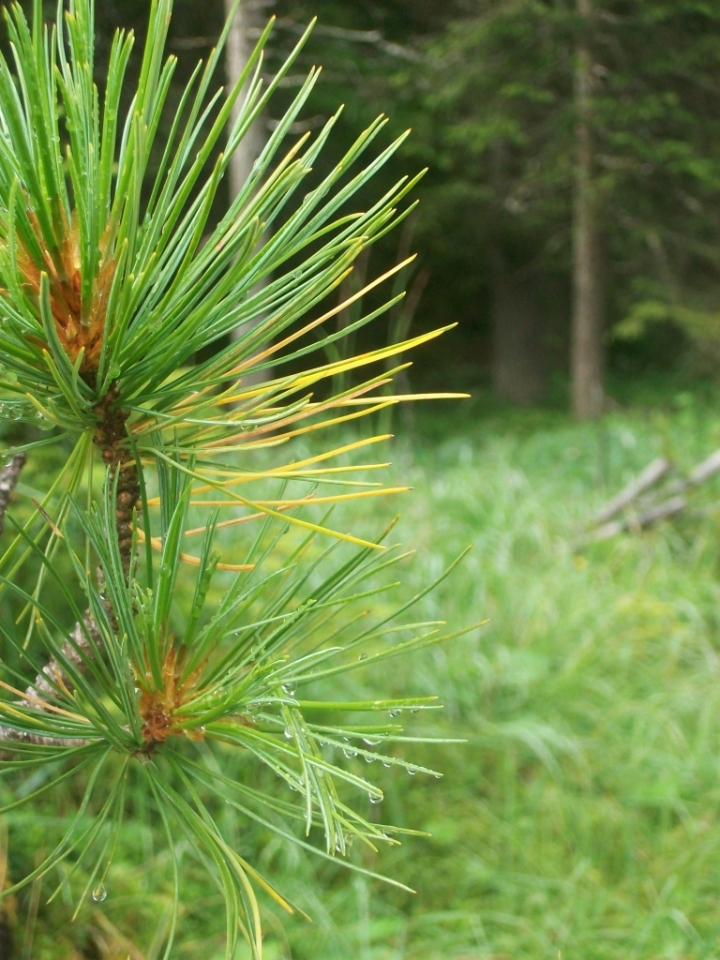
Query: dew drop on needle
[99, 893]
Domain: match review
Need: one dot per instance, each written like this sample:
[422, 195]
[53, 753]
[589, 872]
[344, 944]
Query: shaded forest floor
[582, 816]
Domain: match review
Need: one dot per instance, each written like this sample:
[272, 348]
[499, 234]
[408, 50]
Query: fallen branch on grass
[641, 521]
[651, 475]
[702, 472]
[639, 512]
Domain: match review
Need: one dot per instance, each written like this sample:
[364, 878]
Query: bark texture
[244, 33]
[109, 437]
[587, 340]
[243, 36]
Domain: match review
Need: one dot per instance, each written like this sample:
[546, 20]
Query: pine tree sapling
[114, 274]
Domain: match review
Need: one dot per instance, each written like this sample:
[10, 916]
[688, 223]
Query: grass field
[581, 819]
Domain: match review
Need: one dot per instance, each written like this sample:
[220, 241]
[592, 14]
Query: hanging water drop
[386, 763]
[99, 893]
[368, 758]
[411, 773]
[289, 689]
[288, 733]
[363, 656]
[349, 753]
[393, 713]
[375, 799]
[371, 741]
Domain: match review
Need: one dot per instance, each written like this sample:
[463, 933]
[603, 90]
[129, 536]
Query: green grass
[582, 817]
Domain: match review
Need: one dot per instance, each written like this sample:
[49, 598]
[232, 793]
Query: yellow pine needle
[324, 424]
[319, 473]
[286, 505]
[48, 519]
[187, 558]
[269, 889]
[294, 521]
[40, 408]
[407, 398]
[363, 359]
[280, 473]
[335, 369]
[300, 414]
[248, 364]
[48, 707]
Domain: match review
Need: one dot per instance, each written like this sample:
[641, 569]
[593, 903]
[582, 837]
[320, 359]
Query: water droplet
[363, 656]
[438, 776]
[371, 741]
[393, 714]
[349, 753]
[368, 758]
[293, 787]
[375, 799]
[386, 764]
[288, 733]
[411, 773]
[289, 689]
[415, 710]
[99, 893]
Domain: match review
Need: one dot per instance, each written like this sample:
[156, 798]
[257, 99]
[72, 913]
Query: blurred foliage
[487, 86]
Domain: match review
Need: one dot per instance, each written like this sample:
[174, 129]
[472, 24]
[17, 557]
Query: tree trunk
[587, 346]
[242, 38]
[241, 43]
[519, 347]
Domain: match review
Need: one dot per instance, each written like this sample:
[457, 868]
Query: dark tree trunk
[519, 340]
[587, 340]
[248, 22]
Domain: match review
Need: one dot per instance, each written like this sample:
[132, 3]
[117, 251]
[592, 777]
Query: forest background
[569, 212]
[569, 225]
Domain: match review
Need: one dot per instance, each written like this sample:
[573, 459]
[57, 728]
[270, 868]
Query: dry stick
[702, 472]
[651, 475]
[641, 521]
[85, 639]
[9, 478]
[662, 511]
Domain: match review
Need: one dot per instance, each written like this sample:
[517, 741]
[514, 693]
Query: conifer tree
[190, 628]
